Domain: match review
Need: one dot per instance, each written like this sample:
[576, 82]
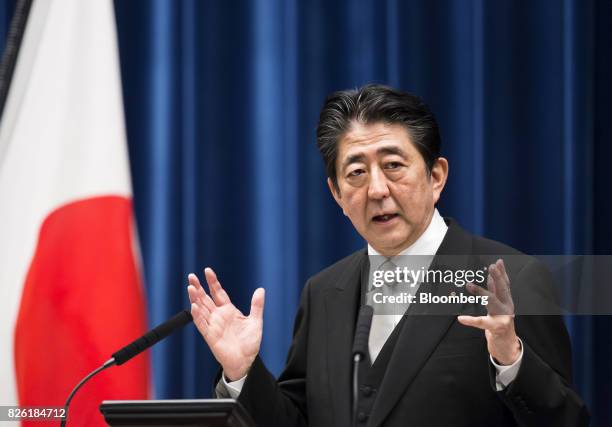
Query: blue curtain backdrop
[222, 101]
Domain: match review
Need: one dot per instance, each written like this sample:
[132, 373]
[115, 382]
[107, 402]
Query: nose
[378, 188]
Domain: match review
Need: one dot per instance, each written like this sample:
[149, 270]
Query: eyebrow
[356, 158]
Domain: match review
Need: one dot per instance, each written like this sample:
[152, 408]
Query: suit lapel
[341, 304]
[425, 326]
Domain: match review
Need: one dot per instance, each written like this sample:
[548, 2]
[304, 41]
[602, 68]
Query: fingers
[201, 298]
[193, 294]
[194, 281]
[208, 302]
[496, 325]
[197, 294]
[219, 295]
[480, 322]
[201, 317]
[502, 283]
[494, 304]
[257, 303]
[491, 281]
[196, 288]
[202, 305]
[477, 290]
[502, 269]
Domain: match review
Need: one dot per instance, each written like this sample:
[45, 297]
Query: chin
[390, 247]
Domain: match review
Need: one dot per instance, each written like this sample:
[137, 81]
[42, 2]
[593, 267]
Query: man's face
[384, 187]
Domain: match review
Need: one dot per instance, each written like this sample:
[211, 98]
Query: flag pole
[11, 48]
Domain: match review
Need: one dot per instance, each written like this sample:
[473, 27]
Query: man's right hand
[233, 338]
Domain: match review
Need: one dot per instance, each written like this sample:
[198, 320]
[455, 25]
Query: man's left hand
[502, 341]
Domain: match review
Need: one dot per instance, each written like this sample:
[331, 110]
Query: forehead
[367, 139]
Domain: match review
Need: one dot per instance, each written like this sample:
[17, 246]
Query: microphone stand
[110, 362]
[356, 362]
[134, 348]
[360, 347]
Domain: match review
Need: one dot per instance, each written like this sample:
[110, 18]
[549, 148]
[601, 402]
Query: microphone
[362, 332]
[360, 348]
[152, 337]
[134, 348]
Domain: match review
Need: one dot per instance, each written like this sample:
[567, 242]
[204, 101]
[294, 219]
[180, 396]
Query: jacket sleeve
[541, 394]
[281, 402]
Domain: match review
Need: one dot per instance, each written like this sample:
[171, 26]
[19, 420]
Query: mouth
[383, 219]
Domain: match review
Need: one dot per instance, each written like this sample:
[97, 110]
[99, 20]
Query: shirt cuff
[234, 387]
[504, 375]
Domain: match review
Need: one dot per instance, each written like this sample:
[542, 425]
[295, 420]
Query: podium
[170, 413]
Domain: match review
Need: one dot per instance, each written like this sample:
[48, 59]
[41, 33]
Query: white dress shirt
[383, 324]
[427, 244]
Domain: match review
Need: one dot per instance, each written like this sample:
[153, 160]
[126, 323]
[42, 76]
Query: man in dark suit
[429, 367]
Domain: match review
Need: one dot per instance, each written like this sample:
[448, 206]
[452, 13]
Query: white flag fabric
[69, 281]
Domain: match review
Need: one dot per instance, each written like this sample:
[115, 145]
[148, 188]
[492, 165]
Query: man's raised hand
[502, 341]
[233, 338]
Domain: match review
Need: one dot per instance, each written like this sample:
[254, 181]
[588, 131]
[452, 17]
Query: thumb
[257, 303]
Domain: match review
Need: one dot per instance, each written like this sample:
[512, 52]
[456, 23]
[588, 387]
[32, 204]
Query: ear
[439, 174]
[336, 193]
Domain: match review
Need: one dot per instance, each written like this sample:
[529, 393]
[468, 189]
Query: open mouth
[384, 218]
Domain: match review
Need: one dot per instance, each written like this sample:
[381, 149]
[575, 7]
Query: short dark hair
[371, 104]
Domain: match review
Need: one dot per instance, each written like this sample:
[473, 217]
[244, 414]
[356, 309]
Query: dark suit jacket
[439, 373]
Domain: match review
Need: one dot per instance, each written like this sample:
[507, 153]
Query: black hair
[376, 103]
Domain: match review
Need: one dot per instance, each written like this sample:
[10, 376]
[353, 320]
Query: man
[381, 148]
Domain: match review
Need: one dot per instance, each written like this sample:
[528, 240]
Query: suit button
[362, 417]
[367, 391]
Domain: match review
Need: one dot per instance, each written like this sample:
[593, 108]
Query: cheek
[355, 203]
[355, 206]
[415, 196]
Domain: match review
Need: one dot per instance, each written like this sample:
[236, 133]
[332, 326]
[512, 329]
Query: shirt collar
[427, 243]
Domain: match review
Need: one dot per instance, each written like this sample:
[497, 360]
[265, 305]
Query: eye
[392, 165]
[356, 172]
